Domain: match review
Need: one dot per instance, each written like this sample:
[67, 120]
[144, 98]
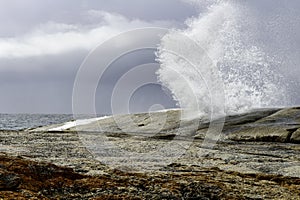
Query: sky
[43, 44]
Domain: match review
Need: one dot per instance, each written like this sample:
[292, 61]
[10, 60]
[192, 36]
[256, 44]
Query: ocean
[25, 121]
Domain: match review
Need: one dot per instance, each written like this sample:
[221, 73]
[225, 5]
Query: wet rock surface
[256, 156]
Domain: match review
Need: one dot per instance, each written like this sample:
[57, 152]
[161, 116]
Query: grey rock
[263, 134]
[259, 141]
[295, 138]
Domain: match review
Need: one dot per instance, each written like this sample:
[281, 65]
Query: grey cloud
[45, 84]
[41, 86]
[58, 38]
[42, 82]
[144, 96]
[18, 16]
[43, 44]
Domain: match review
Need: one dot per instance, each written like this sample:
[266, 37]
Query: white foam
[78, 122]
[229, 35]
[166, 110]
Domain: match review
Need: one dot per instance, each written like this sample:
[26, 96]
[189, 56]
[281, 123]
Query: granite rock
[255, 156]
[295, 138]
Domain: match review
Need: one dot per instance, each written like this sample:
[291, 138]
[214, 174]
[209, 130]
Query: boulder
[295, 138]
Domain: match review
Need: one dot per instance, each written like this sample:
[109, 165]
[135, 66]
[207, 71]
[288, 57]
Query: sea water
[25, 121]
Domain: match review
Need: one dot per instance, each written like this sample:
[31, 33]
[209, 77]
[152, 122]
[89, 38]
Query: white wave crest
[225, 32]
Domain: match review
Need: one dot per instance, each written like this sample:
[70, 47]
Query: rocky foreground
[156, 156]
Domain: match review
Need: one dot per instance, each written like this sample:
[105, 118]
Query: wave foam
[228, 32]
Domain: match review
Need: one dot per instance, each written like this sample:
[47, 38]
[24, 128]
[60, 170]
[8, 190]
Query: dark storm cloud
[144, 96]
[43, 43]
[39, 85]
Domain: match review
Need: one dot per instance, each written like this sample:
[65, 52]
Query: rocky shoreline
[256, 157]
[24, 179]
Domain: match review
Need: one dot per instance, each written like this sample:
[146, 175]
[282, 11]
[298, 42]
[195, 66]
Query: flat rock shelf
[256, 156]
